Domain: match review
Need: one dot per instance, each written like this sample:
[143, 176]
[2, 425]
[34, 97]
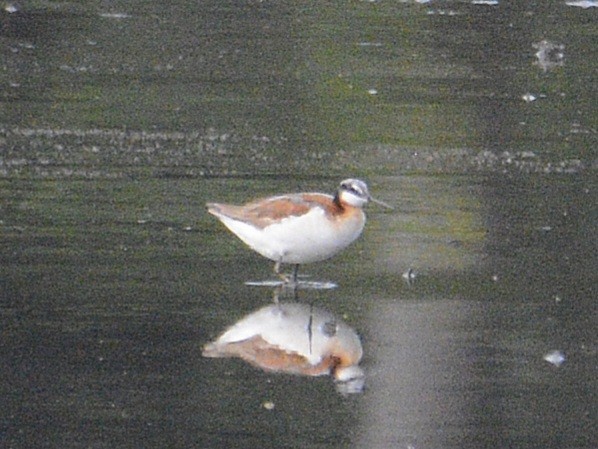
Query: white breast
[296, 240]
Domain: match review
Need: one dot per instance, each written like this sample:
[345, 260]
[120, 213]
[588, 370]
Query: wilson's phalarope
[299, 228]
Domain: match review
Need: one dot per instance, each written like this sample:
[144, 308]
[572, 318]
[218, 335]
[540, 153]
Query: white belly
[297, 240]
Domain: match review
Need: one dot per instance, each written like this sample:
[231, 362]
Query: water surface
[119, 121]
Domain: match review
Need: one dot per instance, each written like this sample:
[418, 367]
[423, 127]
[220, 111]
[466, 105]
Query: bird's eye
[353, 189]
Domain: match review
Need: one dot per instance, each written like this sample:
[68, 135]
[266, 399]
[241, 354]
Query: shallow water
[118, 122]
[106, 307]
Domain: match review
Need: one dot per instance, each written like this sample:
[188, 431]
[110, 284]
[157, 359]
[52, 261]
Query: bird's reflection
[295, 338]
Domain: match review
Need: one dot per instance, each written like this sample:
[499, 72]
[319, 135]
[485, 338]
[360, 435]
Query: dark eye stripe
[353, 189]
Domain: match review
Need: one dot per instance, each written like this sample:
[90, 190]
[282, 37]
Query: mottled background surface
[476, 120]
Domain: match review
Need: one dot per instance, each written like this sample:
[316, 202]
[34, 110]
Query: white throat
[352, 199]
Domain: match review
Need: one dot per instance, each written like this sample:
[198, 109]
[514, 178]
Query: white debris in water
[556, 357]
[485, 2]
[11, 8]
[372, 91]
[115, 15]
[527, 154]
[79, 69]
[409, 275]
[268, 405]
[528, 98]
[585, 4]
[443, 12]
[549, 55]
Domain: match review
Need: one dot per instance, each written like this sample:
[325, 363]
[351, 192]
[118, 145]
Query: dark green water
[119, 121]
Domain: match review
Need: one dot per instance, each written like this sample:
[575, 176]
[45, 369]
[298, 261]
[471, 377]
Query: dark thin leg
[295, 273]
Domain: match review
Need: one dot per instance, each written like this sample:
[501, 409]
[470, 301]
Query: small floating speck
[549, 55]
[556, 357]
[187, 228]
[141, 221]
[527, 154]
[409, 275]
[268, 405]
[557, 299]
[485, 2]
[373, 91]
[495, 278]
[11, 8]
[528, 98]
